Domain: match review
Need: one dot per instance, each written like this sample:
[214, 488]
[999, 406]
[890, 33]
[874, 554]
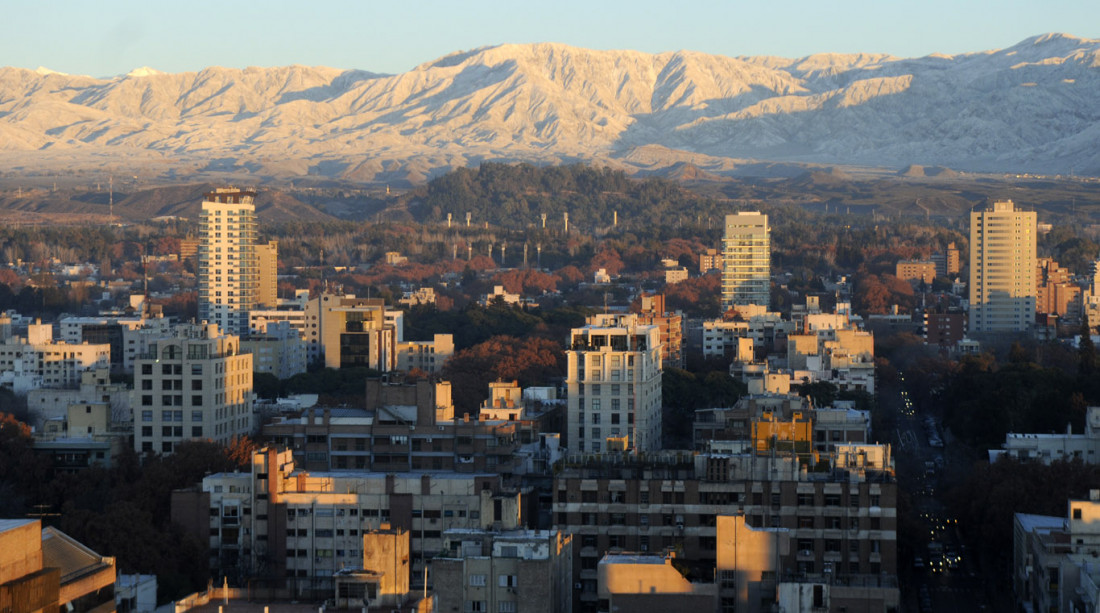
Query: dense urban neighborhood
[552, 389]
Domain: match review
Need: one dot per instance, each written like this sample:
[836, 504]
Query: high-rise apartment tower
[228, 282]
[614, 380]
[746, 260]
[1002, 269]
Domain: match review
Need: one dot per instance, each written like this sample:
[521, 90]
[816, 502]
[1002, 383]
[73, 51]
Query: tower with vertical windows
[1002, 269]
[228, 277]
[614, 381]
[746, 260]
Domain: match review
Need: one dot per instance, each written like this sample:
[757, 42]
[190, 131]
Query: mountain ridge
[1029, 107]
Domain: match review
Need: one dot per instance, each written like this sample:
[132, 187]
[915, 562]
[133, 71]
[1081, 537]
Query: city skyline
[113, 38]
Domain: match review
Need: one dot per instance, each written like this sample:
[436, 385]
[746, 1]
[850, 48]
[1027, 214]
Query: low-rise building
[95, 386]
[649, 583]
[422, 295]
[279, 350]
[44, 569]
[502, 295]
[38, 361]
[425, 356]
[405, 427]
[520, 570]
[921, 271]
[1054, 558]
[675, 275]
[282, 527]
[1048, 448]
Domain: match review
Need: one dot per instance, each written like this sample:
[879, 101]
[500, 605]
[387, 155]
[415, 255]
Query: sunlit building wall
[194, 385]
[1002, 269]
[614, 380]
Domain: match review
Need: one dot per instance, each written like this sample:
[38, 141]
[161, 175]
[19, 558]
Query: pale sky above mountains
[112, 37]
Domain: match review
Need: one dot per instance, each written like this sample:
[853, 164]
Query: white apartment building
[95, 386]
[1002, 269]
[1053, 447]
[279, 350]
[746, 260]
[614, 385]
[194, 385]
[128, 336]
[1054, 558]
[228, 277]
[37, 361]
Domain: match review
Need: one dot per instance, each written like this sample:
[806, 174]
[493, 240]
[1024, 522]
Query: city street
[937, 575]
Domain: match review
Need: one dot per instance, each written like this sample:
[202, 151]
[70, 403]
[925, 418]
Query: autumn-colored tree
[530, 360]
[608, 259]
[526, 281]
[570, 275]
[696, 296]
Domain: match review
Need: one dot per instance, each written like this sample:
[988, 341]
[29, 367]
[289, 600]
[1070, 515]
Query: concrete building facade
[293, 529]
[505, 572]
[613, 378]
[842, 522]
[195, 385]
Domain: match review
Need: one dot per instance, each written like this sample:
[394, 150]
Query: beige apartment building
[425, 356]
[614, 380]
[1002, 269]
[346, 331]
[267, 273]
[746, 260]
[916, 270]
[194, 385]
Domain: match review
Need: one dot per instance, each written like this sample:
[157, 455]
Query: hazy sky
[109, 37]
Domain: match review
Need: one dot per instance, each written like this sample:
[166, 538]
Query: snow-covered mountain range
[1032, 107]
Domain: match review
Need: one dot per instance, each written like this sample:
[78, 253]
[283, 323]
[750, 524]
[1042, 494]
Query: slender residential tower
[746, 260]
[227, 259]
[1002, 269]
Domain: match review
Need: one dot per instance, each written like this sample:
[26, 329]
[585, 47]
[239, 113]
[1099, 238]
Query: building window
[507, 581]
[477, 580]
[146, 416]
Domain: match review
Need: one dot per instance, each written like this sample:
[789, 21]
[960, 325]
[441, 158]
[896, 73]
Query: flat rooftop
[11, 524]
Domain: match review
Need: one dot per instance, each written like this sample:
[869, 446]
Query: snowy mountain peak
[144, 71]
[42, 70]
[1030, 107]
